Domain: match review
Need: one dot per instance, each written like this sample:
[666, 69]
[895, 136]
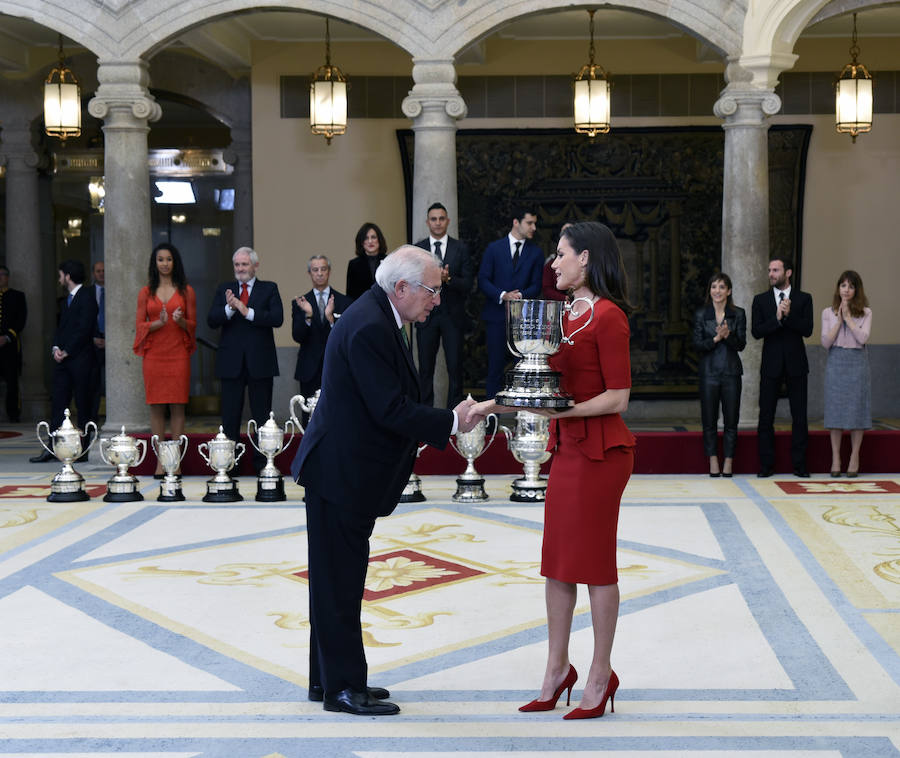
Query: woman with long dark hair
[164, 336]
[720, 333]
[593, 460]
[846, 325]
[371, 249]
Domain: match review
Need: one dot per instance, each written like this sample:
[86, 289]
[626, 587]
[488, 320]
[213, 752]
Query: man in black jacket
[782, 316]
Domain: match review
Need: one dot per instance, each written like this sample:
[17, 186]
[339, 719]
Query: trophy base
[270, 489]
[412, 493]
[538, 389]
[170, 492]
[469, 491]
[123, 490]
[528, 490]
[222, 492]
[122, 497]
[69, 496]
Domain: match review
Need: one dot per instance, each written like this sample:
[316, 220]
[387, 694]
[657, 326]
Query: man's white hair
[254, 258]
[407, 263]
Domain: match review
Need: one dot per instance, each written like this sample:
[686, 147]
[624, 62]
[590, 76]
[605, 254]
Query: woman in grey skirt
[846, 325]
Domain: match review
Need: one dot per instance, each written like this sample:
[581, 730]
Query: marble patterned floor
[758, 618]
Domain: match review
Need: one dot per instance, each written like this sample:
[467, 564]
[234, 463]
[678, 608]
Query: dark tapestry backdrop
[658, 189]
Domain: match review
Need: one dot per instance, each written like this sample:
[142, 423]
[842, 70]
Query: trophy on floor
[170, 454]
[270, 484]
[306, 405]
[534, 332]
[123, 452]
[221, 457]
[528, 444]
[68, 485]
[470, 484]
[412, 492]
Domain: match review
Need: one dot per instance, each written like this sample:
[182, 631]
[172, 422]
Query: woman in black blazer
[370, 251]
[720, 333]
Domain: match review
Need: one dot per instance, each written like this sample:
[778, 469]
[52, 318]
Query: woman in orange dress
[592, 462]
[166, 322]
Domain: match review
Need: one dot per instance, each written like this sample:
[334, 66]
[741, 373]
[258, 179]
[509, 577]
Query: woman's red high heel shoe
[591, 713]
[549, 705]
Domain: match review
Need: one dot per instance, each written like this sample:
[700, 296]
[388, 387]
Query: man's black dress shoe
[44, 457]
[317, 693]
[801, 472]
[765, 471]
[359, 704]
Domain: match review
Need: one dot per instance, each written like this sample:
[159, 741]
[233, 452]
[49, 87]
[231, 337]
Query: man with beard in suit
[447, 321]
[356, 458]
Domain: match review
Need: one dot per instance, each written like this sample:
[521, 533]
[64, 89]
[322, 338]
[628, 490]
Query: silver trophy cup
[270, 436]
[123, 452]
[68, 485]
[307, 405]
[528, 444]
[471, 444]
[412, 492]
[223, 453]
[170, 454]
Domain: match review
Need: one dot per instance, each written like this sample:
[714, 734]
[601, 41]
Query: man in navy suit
[98, 383]
[782, 316]
[73, 350]
[356, 458]
[447, 321]
[313, 316]
[247, 310]
[510, 270]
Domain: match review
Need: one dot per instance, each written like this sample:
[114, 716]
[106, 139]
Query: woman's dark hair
[361, 236]
[726, 280]
[605, 274]
[178, 277]
[859, 301]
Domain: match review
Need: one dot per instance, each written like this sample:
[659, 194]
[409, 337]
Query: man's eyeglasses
[434, 292]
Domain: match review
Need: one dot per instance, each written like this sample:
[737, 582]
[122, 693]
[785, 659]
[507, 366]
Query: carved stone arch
[85, 22]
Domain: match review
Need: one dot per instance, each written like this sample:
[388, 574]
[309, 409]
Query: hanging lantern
[592, 95]
[62, 101]
[328, 97]
[853, 95]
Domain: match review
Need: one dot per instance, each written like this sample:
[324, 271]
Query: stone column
[240, 155]
[745, 213]
[124, 103]
[25, 260]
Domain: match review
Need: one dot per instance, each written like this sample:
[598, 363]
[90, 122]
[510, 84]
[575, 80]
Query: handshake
[470, 413]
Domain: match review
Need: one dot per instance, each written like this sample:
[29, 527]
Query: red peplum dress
[167, 351]
[593, 457]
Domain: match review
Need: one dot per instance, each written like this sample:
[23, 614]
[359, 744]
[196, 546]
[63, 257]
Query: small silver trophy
[270, 484]
[170, 454]
[470, 484]
[122, 452]
[534, 332]
[306, 405]
[68, 485]
[412, 492]
[528, 444]
[221, 457]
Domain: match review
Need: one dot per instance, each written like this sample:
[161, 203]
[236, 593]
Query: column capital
[434, 93]
[746, 106]
[17, 148]
[123, 89]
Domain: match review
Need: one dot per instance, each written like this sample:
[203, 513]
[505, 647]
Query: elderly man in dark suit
[13, 313]
[313, 316]
[247, 310]
[447, 321]
[73, 350]
[782, 316]
[356, 458]
[511, 269]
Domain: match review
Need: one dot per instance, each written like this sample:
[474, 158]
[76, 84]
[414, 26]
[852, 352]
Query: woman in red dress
[166, 322]
[593, 460]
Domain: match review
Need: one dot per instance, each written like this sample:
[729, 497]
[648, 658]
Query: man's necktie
[101, 311]
[780, 297]
[516, 255]
[320, 296]
[69, 299]
[405, 337]
[437, 250]
[245, 295]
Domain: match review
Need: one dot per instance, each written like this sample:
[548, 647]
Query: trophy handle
[453, 445]
[94, 437]
[103, 450]
[568, 340]
[183, 439]
[496, 429]
[143, 445]
[243, 447]
[294, 417]
[508, 433]
[154, 444]
[200, 447]
[420, 449]
[288, 423]
[252, 422]
[509, 342]
[37, 431]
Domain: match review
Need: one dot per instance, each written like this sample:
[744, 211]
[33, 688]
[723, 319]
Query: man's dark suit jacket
[313, 336]
[497, 275]
[783, 350]
[75, 330]
[243, 341]
[72, 377]
[360, 445]
[454, 292]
